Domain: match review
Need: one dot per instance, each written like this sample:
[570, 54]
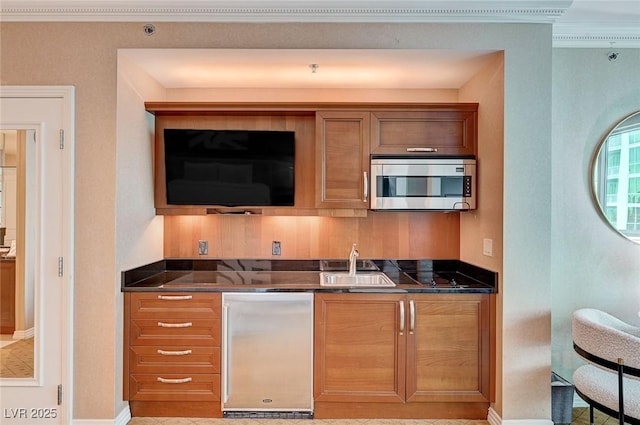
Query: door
[342, 156]
[45, 115]
[360, 347]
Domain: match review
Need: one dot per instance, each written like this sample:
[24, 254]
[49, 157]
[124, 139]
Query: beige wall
[85, 55]
[487, 88]
[592, 265]
[139, 233]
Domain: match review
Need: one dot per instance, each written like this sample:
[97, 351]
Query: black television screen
[229, 167]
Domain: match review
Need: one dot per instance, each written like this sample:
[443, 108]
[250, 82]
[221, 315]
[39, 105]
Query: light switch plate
[203, 247]
[487, 247]
[276, 249]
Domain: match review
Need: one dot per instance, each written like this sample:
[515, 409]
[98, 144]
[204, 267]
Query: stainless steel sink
[338, 265]
[344, 279]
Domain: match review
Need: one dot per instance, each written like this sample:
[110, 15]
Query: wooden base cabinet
[172, 354]
[416, 355]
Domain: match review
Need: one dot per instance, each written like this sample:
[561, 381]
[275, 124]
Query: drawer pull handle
[422, 149]
[175, 325]
[174, 353]
[175, 297]
[174, 381]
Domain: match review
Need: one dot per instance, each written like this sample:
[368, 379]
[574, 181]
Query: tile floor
[580, 417]
[237, 421]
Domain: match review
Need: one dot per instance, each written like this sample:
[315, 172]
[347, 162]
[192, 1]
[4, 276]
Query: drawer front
[186, 359]
[174, 387]
[175, 331]
[153, 305]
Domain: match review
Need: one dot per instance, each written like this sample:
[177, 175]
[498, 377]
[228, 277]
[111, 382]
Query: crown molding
[592, 36]
[479, 11]
[526, 11]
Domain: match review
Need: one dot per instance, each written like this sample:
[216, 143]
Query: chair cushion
[601, 386]
[607, 337]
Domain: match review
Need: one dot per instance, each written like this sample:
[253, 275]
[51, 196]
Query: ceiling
[293, 68]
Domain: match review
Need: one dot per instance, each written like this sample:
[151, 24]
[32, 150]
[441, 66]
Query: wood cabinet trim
[203, 108]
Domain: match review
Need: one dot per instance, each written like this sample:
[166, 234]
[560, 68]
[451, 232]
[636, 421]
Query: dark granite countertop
[226, 275]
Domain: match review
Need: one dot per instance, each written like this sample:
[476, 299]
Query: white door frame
[67, 95]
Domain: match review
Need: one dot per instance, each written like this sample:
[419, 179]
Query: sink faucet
[353, 255]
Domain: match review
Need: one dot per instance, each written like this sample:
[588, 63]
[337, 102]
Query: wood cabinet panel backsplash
[379, 235]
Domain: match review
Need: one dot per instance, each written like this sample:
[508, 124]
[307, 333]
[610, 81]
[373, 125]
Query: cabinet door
[448, 351]
[359, 348]
[438, 132]
[342, 158]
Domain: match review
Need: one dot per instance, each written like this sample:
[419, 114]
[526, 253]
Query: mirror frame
[598, 169]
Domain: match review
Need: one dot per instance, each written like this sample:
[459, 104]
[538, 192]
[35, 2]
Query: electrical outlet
[203, 247]
[487, 247]
[275, 248]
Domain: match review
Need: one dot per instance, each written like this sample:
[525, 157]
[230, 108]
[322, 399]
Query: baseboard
[578, 402]
[124, 417]
[27, 333]
[121, 419]
[494, 419]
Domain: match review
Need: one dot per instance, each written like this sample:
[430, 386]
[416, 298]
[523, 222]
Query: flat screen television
[231, 168]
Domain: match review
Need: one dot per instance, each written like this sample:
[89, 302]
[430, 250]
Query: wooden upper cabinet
[342, 159]
[440, 131]
[334, 142]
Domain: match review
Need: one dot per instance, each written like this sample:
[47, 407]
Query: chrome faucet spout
[353, 255]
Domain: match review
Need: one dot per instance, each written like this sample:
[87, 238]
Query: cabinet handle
[422, 149]
[175, 297]
[174, 353]
[412, 317]
[401, 317]
[174, 381]
[366, 186]
[175, 325]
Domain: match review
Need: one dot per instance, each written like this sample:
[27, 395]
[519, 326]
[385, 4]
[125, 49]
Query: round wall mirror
[616, 177]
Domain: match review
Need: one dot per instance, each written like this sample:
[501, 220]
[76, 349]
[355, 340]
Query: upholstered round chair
[612, 349]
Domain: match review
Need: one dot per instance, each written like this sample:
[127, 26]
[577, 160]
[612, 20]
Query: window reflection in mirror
[16, 282]
[616, 177]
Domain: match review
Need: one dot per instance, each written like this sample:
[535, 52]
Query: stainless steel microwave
[439, 184]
